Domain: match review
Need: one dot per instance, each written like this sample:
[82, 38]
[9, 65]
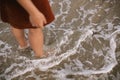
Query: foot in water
[46, 54]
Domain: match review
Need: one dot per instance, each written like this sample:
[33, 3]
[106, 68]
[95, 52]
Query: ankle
[22, 46]
[26, 45]
[38, 55]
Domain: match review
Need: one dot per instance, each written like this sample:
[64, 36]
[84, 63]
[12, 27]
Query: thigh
[16, 30]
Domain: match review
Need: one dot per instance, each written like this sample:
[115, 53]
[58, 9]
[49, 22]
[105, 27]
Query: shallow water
[84, 39]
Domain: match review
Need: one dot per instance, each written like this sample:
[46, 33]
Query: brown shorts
[12, 13]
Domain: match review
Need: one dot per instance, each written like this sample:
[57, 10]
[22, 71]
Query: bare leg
[36, 41]
[20, 37]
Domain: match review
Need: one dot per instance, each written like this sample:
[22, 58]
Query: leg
[36, 41]
[20, 37]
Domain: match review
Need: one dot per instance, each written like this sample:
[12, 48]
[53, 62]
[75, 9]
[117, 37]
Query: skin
[35, 35]
[36, 17]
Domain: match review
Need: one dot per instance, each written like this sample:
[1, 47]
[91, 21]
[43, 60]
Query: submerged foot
[46, 54]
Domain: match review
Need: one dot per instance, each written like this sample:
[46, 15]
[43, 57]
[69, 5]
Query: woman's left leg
[36, 41]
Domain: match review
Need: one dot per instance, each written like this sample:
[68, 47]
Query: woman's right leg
[20, 37]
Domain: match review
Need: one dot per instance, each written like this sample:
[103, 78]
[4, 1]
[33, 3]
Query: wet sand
[98, 19]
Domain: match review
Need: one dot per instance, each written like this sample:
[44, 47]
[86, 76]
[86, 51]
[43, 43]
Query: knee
[35, 31]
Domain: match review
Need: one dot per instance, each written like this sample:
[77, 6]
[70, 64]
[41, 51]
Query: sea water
[82, 41]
